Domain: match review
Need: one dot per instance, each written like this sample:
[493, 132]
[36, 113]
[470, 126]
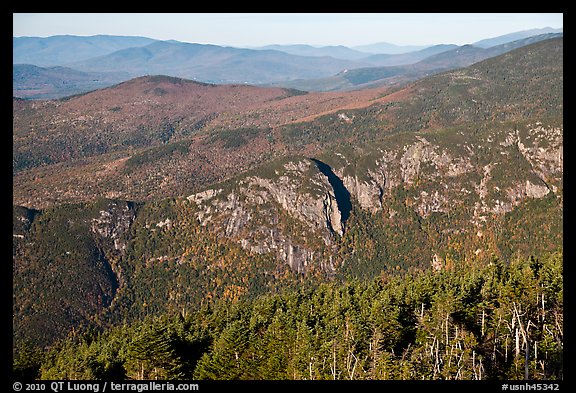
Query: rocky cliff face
[110, 230]
[293, 210]
[442, 173]
[113, 223]
[284, 213]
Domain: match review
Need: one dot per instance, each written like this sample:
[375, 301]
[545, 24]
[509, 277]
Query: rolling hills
[196, 130]
[162, 195]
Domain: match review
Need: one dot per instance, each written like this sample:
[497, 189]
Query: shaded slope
[340, 192]
[63, 272]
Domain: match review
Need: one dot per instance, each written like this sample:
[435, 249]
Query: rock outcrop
[282, 213]
[113, 224]
[295, 210]
[443, 175]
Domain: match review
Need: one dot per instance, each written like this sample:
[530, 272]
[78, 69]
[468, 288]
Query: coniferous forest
[499, 321]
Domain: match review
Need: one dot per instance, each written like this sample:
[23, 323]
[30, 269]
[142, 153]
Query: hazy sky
[315, 29]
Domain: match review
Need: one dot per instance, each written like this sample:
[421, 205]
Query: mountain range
[446, 58]
[212, 63]
[408, 224]
[63, 49]
[72, 64]
[338, 52]
[457, 162]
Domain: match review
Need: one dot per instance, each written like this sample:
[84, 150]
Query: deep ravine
[340, 192]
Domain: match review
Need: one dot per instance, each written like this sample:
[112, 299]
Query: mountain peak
[158, 85]
[165, 79]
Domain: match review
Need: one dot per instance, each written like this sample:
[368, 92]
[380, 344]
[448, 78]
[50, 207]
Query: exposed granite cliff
[294, 210]
[282, 213]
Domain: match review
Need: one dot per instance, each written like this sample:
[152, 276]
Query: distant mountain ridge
[408, 58]
[93, 62]
[503, 39]
[61, 49]
[342, 52]
[388, 48]
[461, 56]
[214, 64]
[338, 52]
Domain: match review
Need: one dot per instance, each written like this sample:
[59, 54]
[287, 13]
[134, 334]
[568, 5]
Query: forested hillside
[468, 322]
[164, 228]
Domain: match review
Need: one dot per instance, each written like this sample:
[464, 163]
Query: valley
[169, 228]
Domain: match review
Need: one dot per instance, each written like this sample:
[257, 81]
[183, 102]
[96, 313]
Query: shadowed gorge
[340, 192]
